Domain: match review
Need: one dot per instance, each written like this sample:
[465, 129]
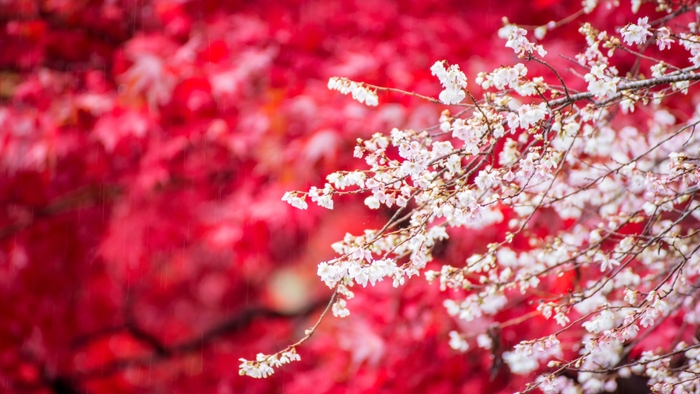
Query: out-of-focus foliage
[144, 149]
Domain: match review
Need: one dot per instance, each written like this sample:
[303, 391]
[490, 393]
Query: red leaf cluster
[144, 149]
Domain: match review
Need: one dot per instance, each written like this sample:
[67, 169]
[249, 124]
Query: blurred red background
[144, 150]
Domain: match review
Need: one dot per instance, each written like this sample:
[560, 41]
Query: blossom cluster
[636, 33]
[626, 191]
[359, 91]
[264, 365]
[517, 40]
[453, 81]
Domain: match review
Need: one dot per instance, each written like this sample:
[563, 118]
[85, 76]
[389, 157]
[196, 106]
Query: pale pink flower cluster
[663, 38]
[457, 342]
[691, 43]
[453, 82]
[358, 90]
[264, 365]
[526, 356]
[294, 200]
[613, 162]
[600, 84]
[637, 33]
[518, 41]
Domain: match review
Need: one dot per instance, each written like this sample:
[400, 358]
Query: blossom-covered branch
[622, 187]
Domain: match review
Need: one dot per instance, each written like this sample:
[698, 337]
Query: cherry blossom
[538, 225]
[453, 81]
[562, 153]
[637, 33]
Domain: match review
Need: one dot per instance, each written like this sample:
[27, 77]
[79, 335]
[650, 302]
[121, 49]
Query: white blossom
[340, 309]
[635, 5]
[518, 41]
[599, 84]
[293, 200]
[663, 38]
[540, 32]
[592, 192]
[484, 341]
[520, 363]
[453, 81]
[636, 34]
[589, 5]
[359, 91]
[372, 202]
[263, 365]
[457, 342]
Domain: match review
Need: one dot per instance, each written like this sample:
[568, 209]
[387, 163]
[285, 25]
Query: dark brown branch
[162, 352]
[83, 197]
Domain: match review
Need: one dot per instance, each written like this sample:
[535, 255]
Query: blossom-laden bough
[613, 161]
